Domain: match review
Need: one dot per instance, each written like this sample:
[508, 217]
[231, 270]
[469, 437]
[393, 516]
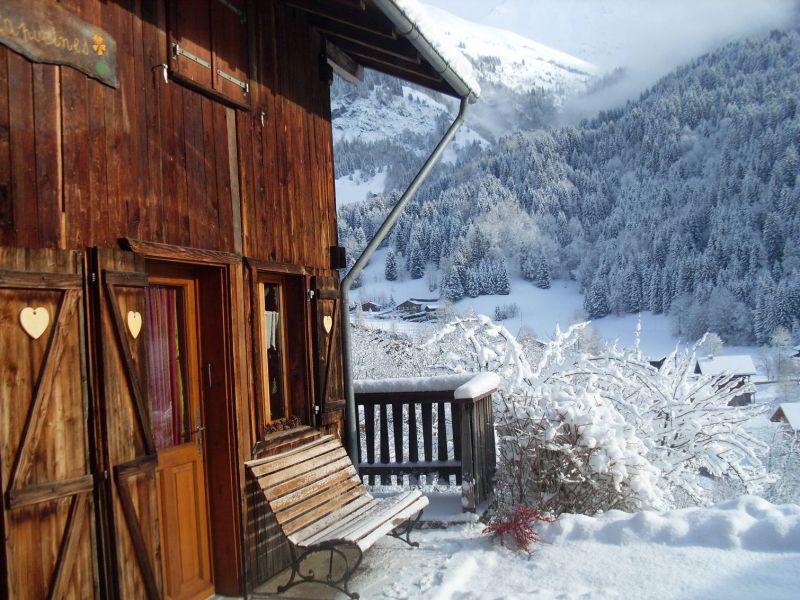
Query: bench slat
[309, 535]
[381, 511]
[321, 468]
[325, 508]
[398, 519]
[295, 456]
[306, 494]
[255, 462]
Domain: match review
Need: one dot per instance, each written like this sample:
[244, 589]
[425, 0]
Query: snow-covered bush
[784, 458]
[570, 450]
[583, 432]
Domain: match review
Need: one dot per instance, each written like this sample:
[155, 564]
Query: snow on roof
[430, 32]
[740, 364]
[466, 385]
[791, 412]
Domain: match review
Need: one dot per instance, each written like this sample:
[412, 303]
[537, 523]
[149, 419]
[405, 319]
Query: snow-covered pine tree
[390, 271]
[416, 261]
[542, 279]
[472, 286]
[502, 283]
[595, 302]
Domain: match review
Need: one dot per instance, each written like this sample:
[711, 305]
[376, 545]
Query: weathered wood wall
[83, 164]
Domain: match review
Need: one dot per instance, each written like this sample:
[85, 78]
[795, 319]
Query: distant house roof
[789, 412]
[395, 37]
[741, 365]
[419, 304]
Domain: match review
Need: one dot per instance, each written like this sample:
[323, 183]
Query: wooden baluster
[397, 432]
[441, 439]
[455, 411]
[427, 435]
[384, 433]
[369, 421]
[413, 443]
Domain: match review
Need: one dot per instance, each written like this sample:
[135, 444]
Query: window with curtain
[167, 364]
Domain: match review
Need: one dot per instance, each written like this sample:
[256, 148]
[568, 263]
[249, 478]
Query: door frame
[220, 276]
[185, 279]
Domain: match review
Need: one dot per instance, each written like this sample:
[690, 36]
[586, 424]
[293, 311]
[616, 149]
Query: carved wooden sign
[45, 32]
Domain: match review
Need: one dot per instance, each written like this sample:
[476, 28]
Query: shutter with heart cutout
[327, 347]
[130, 501]
[46, 533]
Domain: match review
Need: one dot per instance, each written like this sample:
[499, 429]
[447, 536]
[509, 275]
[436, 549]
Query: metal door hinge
[177, 52]
[228, 77]
[316, 409]
[310, 295]
[94, 277]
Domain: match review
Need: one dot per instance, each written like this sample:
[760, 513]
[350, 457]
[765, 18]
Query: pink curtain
[168, 412]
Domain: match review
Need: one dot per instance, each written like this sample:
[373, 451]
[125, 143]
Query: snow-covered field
[540, 311]
[742, 549]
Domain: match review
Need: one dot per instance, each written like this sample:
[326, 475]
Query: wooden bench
[321, 506]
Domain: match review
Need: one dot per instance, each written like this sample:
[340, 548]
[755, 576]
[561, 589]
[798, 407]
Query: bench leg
[334, 549]
[403, 532]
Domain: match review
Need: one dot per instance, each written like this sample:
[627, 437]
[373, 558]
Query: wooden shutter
[47, 484]
[327, 357]
[229, 42]
[208, 45]
[190, 41]
[130, 454]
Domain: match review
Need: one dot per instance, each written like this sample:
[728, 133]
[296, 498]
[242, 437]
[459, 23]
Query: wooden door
[130, 507]
[46, 531]
[173, 330]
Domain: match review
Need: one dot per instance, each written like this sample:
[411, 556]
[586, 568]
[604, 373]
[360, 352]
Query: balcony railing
[439, 427]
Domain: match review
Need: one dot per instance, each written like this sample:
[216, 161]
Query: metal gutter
[351, 417]
[409, 30]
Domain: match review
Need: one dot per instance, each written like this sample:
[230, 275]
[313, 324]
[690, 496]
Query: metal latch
[177, 51]
[310, 295]
[227, 76]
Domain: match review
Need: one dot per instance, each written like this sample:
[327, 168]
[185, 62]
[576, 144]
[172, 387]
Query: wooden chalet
[168, 276]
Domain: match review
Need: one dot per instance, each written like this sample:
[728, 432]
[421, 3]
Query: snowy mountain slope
[502, 57]
[506, 64]
[685, 202]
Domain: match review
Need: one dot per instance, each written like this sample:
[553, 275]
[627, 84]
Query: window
[272, 344]
[283, 387]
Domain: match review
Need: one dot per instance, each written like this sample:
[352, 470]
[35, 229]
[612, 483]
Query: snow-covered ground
[355, 187]
[540, 310]
[741, 549]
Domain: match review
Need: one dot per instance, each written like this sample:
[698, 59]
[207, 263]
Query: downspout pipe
[351, 416]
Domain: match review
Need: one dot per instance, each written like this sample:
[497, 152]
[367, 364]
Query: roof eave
[411, 32]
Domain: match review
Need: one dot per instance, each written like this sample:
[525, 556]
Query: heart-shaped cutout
[34, 320]
[134, 323]
[327, 323]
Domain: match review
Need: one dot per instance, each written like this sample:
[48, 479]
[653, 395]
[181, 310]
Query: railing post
[468, 503]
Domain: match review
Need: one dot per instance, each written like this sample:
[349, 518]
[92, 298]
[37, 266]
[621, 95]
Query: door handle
[199, 431]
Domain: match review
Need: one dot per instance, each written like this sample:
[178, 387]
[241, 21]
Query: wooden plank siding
[150, 160]
[174, 168]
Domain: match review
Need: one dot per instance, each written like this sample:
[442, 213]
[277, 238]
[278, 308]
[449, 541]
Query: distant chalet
[789, 413]
[740, 367]
[415, 305]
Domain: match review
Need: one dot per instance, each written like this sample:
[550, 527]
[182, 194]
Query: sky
[648, 38]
